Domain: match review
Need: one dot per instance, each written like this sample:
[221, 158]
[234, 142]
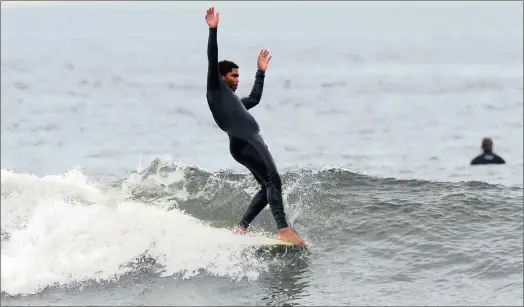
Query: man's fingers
[211, 12]
[264, 53]
[269, 59]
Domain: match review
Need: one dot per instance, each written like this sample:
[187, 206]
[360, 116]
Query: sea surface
[118, 187]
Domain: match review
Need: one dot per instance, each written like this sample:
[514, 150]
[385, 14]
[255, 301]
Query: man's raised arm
[256, 93]
[213, 75]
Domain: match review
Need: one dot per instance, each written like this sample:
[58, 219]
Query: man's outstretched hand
[212, 18]
[263, 59]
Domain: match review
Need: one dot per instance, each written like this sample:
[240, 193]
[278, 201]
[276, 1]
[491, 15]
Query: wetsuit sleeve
[213, 76]
[256, 92]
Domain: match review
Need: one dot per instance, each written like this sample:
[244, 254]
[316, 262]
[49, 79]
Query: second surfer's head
[229, 72]
[487, 145]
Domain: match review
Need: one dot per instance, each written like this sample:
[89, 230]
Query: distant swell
[224, 195]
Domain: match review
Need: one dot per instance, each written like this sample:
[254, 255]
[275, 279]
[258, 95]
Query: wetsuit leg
[243, 153]
[258, 203]
[253, 153]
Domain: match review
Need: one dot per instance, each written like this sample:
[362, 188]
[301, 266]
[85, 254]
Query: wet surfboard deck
[269, 246]
[269, 241]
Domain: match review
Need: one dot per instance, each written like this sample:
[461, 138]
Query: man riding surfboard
[245, 142]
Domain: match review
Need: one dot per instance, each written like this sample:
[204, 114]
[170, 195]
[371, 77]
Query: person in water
[245, 142]
[487, 156]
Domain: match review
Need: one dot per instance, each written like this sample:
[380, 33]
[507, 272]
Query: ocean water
[118, 188]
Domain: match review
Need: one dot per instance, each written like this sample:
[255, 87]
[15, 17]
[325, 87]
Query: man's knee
[274, 180]
[263, 188]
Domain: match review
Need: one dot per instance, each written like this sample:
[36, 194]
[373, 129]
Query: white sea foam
[65, 229]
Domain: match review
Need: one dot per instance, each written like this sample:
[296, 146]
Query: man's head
[487, 145]
[229, 72]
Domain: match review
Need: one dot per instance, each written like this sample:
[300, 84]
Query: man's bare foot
[239, 230]
[288, 235]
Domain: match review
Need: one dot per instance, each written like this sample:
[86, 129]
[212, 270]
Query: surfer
[245, 142]
[487, 156]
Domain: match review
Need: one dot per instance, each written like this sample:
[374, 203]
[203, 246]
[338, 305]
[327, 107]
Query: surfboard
[268, 247]
[269, 241]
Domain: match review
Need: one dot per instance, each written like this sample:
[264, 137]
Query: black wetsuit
[487, 158]
[245, 142]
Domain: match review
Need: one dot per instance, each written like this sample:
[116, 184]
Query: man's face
[231, 79]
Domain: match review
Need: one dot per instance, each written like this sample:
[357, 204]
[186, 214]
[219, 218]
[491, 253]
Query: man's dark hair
[226, 67]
